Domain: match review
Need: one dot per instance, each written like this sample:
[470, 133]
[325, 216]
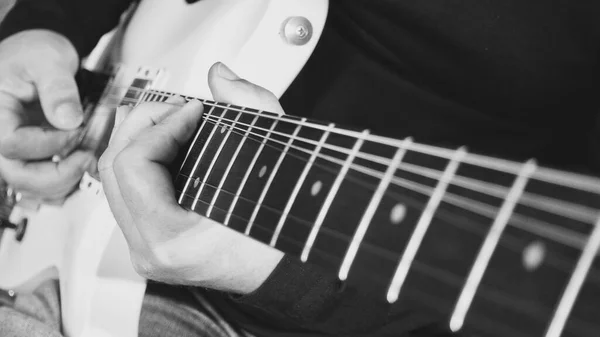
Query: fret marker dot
[262, 171]
[397, 214]
[196, 182]
[316, 187]
[533, 255]
[224, 128]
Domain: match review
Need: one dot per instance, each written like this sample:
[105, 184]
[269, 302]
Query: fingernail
[194, 103]
[175, 99]
[69, 115]
[226, 73]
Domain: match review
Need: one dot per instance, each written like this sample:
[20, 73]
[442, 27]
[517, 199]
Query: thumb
[59, 98]
[162, 142]
[227, 87]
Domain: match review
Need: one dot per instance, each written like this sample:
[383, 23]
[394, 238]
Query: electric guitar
[498, 247]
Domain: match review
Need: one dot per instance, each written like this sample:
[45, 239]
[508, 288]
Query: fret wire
[144, 96]
[332, 193]
[386, 254]
[208, 140]
[187, 182]
[194, 141]
[230, 165]
[150, 98]
[270, 180]
[365, 221]
[431, 304]
[574, 180]
[569, 209]
[299, 183]
[563, 310]
[489, 245]
[540, 228]
[214, 160]
[382, 252]
[546, 230]
[248, 171]
[422, 226]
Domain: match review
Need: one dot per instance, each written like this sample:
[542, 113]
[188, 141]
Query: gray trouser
[38, 315]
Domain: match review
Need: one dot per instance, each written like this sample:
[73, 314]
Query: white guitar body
[172, 44]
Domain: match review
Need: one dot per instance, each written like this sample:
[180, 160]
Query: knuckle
[8, 148]
[141, 265]
[13, 85]
[69, 172]
[150, 264]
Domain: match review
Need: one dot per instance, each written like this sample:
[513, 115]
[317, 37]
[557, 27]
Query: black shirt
[510, 78]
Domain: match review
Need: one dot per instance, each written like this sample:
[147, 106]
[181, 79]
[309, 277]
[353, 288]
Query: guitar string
[574, 240]
[559, 207]
[510, 243]
[545, 229]
[537, 227]
[431, 271]
[568, 209]
[567, 179]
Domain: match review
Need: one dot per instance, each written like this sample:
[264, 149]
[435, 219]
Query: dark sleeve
[309, 298]
[83, 22]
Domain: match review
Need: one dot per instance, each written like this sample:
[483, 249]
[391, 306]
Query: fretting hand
[166, 242]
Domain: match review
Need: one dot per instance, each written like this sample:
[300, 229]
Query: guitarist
[497, 76]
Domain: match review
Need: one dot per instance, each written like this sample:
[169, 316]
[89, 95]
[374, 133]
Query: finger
[35, 199]
[140, 169]
[161, 143]
[227, 87]
[110, 186]
[143, 117]
[11, 110]
[30, 142]
[46, 177]
[59, 97]
[117, 205]
[15, 84]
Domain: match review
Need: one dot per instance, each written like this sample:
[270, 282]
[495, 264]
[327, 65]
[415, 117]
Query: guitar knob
[296, 30]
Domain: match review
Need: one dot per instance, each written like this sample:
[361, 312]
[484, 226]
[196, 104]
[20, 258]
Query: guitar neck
[506, 248]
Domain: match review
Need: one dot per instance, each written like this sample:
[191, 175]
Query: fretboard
[505, 248]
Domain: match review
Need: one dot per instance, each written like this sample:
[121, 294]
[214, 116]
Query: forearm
[83, 22]
[307, 297]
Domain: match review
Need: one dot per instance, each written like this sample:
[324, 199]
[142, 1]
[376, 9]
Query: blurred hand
[166, 242]
[40, 115]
